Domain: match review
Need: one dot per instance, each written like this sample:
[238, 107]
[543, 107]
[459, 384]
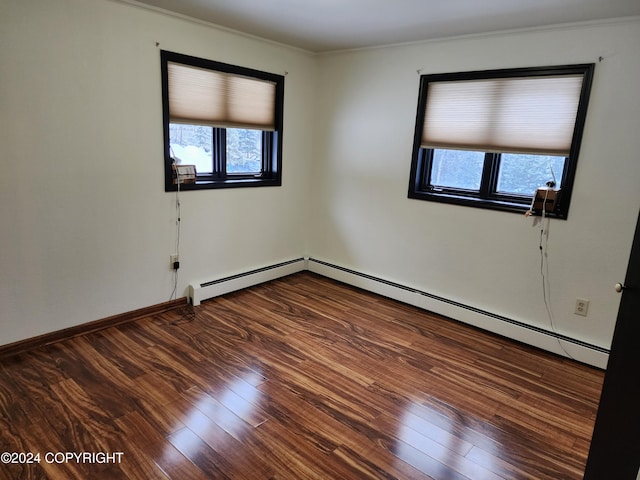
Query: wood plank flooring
[300, 378]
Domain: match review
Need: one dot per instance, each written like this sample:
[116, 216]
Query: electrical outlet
[172, 260]
[582, 307]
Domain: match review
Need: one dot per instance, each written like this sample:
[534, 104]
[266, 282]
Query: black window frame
[271, 171]
[420, 186]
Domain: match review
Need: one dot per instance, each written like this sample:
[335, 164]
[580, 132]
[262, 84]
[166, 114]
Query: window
[489, 139]
[225, 120]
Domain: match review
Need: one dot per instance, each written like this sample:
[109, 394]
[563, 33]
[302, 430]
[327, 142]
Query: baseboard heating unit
[213, 288]
[546, 339]
[537, 336]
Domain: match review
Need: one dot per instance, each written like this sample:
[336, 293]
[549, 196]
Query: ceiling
[329, 25]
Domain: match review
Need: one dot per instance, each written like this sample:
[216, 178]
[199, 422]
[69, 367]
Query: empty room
[316, 240]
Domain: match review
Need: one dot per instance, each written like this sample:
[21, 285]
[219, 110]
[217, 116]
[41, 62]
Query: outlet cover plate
[582, 307]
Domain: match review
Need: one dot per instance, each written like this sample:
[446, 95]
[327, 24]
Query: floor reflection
[436, 443]
[240, 398]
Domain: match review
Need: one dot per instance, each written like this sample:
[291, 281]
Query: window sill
[486, 203]
[210, 184]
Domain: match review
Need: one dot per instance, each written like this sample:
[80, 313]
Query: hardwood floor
[300, 378]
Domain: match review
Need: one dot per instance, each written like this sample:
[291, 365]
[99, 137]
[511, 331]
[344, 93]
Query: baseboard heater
[213, 288]
[508, 327]
[530, 334]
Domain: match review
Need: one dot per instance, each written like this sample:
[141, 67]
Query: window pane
[191, 145]
[244, 150]
[460, 169]
[523, 174]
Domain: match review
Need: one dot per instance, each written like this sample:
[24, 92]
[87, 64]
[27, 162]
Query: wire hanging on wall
[185, 313]
[177, 244]
[545, 223]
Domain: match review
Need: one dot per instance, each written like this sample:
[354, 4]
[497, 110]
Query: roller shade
[207, 97]
[534, 115]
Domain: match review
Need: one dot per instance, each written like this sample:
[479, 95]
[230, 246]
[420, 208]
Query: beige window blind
[534, 115]
[207, 97]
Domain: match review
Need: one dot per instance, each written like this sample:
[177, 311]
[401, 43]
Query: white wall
[485, 259]
[87, 228]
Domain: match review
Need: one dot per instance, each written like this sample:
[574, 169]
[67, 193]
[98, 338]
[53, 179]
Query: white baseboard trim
[542, 338]
[213, 288]
[538, 337]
